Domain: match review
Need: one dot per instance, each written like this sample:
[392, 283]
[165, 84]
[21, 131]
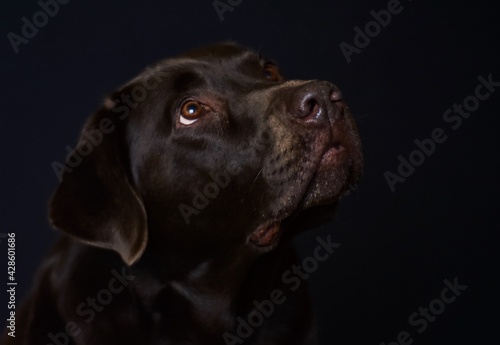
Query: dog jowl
[253, 157]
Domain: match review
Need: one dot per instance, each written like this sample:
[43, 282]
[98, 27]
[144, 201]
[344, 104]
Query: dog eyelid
[271, 71]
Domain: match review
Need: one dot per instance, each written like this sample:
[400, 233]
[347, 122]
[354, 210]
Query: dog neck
[208, 296]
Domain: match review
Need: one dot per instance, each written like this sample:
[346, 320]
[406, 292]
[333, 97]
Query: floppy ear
[95, 201]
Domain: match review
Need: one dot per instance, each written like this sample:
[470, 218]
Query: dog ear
[95, 201]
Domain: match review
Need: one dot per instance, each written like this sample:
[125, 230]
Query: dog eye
[190, 112]
[271, 72]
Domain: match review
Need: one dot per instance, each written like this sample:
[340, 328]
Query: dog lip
[266, 235]
[329, 157]
[330, 153]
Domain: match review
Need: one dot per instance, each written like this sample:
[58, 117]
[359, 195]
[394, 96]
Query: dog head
[204, 153]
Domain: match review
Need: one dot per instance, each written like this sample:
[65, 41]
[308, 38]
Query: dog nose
[309, 102]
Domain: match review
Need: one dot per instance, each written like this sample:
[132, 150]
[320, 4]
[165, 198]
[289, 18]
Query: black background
[396, 247]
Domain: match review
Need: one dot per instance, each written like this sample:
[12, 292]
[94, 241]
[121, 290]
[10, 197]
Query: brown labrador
[178, 202]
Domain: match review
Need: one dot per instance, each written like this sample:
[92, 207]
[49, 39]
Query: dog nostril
[311, 104]
[336, 95]
[314, 108]
[308, 108]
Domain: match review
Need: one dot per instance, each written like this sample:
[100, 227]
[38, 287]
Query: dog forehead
[220, 52]
[209, 65]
